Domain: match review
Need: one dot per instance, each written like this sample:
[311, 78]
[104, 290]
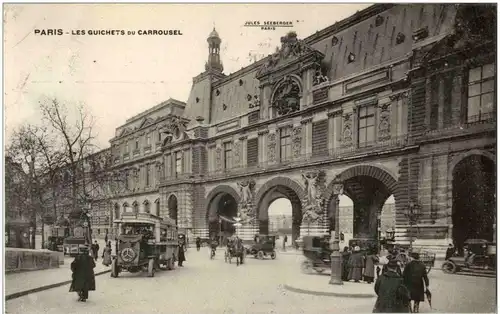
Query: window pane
[370, 134]
[362, 136]
[489, 70]
[362, 123]
[370, 121]
[474, 90]
[371, 110]
[475, 74]
[473, 107]
[487, 103]
[488, 86]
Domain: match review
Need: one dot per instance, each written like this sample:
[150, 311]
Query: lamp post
[336, 258]
[413, 213]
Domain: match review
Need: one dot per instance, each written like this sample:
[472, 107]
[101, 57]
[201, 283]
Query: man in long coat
[182, 257]
[449, 251]
[370, 261]
[356, 263]
[345, 263]
[83, 279]
[392, 295]
[415, 275]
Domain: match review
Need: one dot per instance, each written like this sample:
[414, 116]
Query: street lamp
[336, 258]
[412, 214]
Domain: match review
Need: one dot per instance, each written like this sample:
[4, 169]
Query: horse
[238, 251]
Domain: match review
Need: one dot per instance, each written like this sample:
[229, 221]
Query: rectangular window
[159, 136]
[447, 99]
[434, 85]
[127, 147]
[481, 93]
[228, 155]
[178, 162]
[285, 144]
[366, 126]
[148, 140]
[136, 144]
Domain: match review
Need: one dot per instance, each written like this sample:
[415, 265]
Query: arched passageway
[473, 200]
[273, 190]
[368, 188]
[172, 208]
[222, 209]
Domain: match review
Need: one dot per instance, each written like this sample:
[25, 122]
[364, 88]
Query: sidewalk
[23, 283]
[318, 284]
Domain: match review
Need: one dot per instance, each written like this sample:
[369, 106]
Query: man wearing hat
[392, 295]
[83, 278]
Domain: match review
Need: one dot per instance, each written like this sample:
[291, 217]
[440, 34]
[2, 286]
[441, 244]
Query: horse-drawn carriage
[234, 249]
[317, 251]
[145, 242]
[263, 246]
[480, 258]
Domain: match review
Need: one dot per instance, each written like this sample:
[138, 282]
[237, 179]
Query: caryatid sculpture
[313, 208]
[246, 198]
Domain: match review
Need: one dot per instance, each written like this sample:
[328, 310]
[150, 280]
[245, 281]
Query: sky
[117, 77]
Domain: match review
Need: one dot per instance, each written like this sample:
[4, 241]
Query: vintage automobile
[317, 251]
[263, 245]
[144, 243]
[484, 260]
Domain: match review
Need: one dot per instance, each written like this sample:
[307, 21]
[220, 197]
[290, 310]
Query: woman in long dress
[356, 265]
[369, 273]
[106, 255]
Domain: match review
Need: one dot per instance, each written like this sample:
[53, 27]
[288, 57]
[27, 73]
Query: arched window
[157, 207]
[286, 98]
[147, 206]
[125, 206]
[135, 207]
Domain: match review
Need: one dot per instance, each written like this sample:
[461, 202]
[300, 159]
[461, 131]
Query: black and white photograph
[210, 158]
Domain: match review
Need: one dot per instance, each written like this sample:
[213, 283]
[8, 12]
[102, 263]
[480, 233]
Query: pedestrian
[285, 240]
[182, 257]
[198, 243]
[370, 261]
[392, 294]
[450, 251]
[415, 276]
[345, 263]
[356, 265]
[106, 255]
[83, 279]
[106, 238]
[95, 250]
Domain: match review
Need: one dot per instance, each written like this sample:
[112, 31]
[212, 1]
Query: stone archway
[280, 187]
[473, 198]
[222, 205]
[173, 211]
[368, 187]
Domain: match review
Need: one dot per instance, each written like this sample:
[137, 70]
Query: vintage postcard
[250, 158]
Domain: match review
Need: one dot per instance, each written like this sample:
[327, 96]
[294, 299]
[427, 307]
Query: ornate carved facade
[310, 116]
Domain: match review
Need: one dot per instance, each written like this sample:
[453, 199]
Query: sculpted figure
[310, 179]
[246, 191]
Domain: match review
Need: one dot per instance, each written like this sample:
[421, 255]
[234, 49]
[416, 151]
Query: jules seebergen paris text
[106, 32]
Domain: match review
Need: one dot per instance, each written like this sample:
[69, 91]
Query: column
[440, 102]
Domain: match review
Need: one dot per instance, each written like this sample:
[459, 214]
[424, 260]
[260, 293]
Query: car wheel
[449, 267]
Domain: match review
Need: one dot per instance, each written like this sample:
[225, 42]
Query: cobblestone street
[212, 286]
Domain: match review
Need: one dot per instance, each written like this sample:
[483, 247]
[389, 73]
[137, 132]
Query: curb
[330, 294]
[47, 287]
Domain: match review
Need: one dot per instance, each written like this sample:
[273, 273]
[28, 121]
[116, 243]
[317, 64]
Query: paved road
[205, 286]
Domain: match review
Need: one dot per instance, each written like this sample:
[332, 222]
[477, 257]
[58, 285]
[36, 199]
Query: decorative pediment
[124, 132]
[291, 49]
[174, 129]
[145, 122]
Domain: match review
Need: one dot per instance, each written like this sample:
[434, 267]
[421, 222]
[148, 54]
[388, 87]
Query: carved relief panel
[296, 141]
[247, 193]
[313, 209]
[384, 126]
[218, 158]
[237, 154]
[271, 147]
[347, 129]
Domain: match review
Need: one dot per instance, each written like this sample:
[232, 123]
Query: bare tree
[77, 142]
[30, 149]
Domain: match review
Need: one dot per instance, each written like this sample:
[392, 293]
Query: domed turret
[214, 62]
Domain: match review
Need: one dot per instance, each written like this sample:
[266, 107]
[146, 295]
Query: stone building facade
[390, 101]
